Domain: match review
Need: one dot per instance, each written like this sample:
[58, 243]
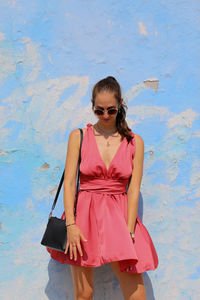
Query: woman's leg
[83, 282]
[132, 285]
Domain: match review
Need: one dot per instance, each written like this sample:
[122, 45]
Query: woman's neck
[110, 128]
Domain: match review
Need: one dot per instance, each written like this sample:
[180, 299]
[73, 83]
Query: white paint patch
[147, 111]
[44, 115]
[185, 118]
[134, 91]
[195, 175]
[142, 86]
[32, 61]
[7, 63]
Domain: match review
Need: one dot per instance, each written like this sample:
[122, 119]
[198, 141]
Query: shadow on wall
[106, 284]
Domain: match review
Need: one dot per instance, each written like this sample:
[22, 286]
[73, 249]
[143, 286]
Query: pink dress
[102, 212]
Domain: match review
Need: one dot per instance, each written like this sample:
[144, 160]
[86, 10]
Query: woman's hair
[110, 84]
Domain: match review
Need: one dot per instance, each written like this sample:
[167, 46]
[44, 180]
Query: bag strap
[62, 179]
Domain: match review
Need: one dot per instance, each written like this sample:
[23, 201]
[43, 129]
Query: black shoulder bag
[55, 235]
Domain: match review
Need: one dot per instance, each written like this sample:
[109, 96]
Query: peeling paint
[152, 83]
[142, 28]
[44, 167]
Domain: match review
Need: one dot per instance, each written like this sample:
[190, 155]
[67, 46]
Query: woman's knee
[83, 282]
[132, 285]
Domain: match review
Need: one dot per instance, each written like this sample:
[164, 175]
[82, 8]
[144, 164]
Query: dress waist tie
[103, 185]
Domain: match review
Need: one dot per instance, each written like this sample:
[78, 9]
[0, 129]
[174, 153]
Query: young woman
[106, 228]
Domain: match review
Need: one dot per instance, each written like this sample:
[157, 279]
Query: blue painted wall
[51, 55]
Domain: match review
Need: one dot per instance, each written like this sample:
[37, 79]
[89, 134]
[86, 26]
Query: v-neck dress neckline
[99, 154]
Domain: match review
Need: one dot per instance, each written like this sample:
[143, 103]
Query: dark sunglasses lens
[98, 112]
[112, 111]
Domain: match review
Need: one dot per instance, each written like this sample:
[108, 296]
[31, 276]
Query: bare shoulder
[139, 141]
[139, 152]
[74, 136]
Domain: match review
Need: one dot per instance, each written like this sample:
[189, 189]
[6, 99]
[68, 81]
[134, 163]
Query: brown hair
[110, 84]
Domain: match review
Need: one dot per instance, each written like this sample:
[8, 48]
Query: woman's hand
[73, 241]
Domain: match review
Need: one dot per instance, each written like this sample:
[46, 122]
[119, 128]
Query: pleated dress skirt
[102, 210]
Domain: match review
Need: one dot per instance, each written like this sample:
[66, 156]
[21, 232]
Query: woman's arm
[134, 185]
[71, 165]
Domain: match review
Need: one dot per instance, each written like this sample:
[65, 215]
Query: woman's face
[105, 101]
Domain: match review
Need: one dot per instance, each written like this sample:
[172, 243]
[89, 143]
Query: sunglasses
[100, 112]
